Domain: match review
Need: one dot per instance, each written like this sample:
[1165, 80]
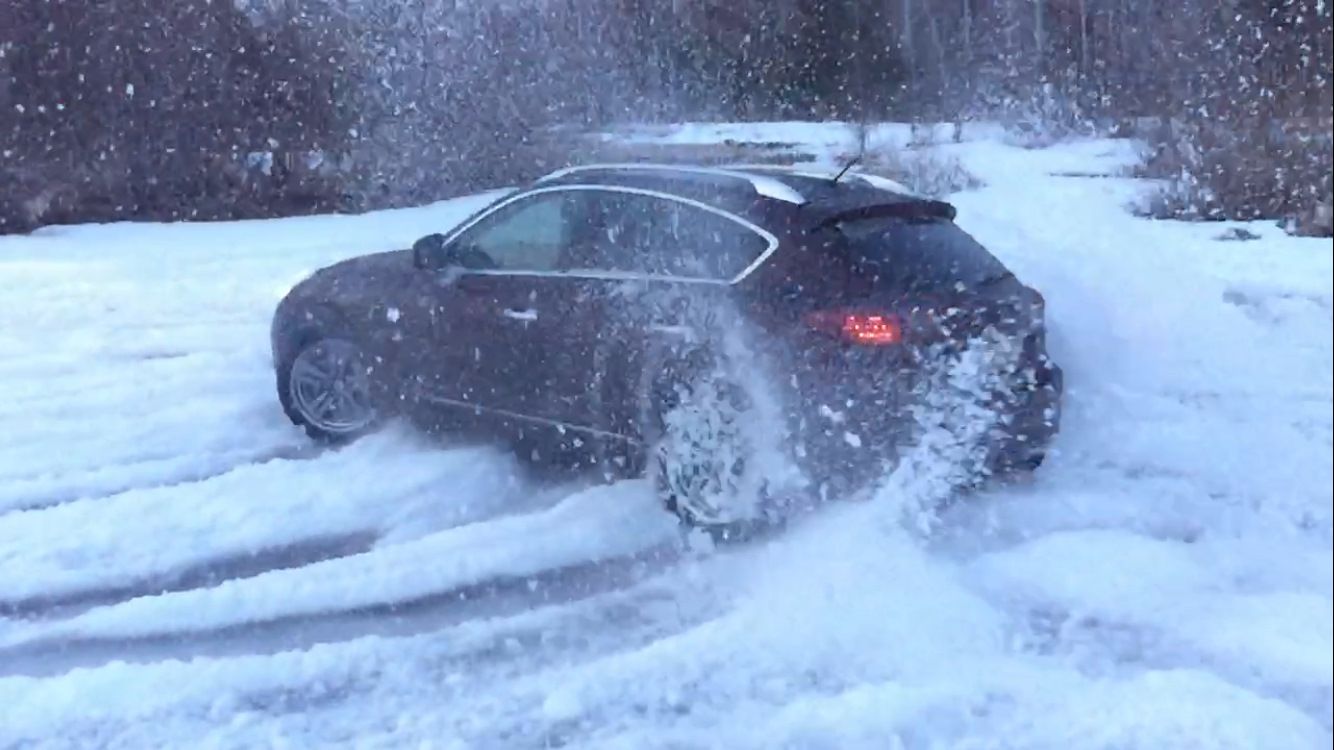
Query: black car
[714, 327]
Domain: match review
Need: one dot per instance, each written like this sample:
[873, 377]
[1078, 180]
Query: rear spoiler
[915, 208]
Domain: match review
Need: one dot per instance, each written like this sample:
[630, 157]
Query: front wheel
[326, 388]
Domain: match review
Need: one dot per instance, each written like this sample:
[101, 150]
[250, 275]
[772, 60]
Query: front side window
[526, 235]
[664, 237]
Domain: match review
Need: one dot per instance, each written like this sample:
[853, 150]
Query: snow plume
[767, 432]
[956, 406]
[958, 409]
[730, 413]
[959, 421]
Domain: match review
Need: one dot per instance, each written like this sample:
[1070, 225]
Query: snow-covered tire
[701, 450]
[326, 388]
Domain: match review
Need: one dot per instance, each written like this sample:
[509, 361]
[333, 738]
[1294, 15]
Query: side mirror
[429, 252]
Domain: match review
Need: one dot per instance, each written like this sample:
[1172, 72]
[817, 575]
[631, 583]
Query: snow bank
[813, 138]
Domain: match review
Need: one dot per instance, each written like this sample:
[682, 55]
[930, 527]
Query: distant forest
[205, 109]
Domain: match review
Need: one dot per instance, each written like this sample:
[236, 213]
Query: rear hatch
[931, 272]
[942, 285]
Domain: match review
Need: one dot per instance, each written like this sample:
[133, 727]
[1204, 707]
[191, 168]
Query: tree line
[200, 109]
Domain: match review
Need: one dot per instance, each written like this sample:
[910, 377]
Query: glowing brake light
[872, 329]
[866, 328]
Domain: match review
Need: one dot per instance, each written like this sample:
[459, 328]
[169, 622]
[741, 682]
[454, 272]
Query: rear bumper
[850, 412]
[1033, 421]
[854, 410]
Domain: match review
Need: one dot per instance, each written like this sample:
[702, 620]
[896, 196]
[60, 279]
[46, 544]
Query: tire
[326, 388]
[700, 450]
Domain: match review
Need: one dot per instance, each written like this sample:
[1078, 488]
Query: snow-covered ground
[180, 568]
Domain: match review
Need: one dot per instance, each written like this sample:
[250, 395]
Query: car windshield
[920, 252]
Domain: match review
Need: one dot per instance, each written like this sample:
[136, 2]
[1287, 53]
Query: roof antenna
[851, 163]
[861, 152]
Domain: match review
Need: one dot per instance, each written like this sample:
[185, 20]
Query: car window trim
[770, 239]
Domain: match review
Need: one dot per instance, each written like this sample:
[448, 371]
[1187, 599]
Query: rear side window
[918, 254]
[664, 237]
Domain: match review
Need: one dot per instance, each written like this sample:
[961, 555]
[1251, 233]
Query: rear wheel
[326, 388]
[700, 449]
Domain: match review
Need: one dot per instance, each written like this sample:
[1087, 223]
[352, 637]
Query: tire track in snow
[449, 660]
[51, 382]
[115, 435]
[583, 532]
[84, 547]
[45, 491]
[179, 433]
[142, 448]
[1176, 618]
[58, 649]
[210, 572]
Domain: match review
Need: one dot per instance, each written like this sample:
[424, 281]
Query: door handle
[524, 314]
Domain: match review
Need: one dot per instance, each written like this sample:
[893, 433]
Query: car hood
[377, 275]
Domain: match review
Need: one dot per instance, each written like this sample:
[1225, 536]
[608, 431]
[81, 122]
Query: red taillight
[858, 327]
[872, 329]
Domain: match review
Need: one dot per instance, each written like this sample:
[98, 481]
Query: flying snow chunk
[833, 416]
[562, 705]
[393, 314]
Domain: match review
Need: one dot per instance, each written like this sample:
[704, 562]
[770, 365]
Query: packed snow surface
[180, 567]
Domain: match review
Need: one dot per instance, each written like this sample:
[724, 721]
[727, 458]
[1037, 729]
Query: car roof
[754, 191]
[731, 192]
[699, 176]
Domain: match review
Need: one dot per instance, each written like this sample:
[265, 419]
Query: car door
[490, 330]
[651, 267]
[588, 329]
